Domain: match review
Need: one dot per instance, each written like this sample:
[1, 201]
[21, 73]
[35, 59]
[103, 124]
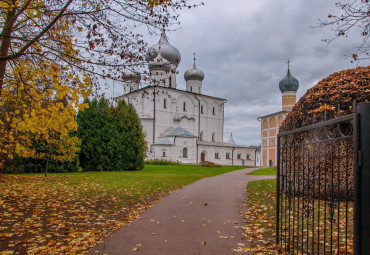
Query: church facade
[185, 126]
[270, 123]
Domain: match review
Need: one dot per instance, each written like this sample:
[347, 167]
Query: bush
[332, 97]
[30, 165]
[162, 162]
[209, 164]
[342, 89]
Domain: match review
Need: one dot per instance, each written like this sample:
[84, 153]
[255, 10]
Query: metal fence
[323, 204]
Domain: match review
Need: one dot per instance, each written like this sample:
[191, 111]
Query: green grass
[83, 207]
[258, 190]
[153, 180]
[264, 171]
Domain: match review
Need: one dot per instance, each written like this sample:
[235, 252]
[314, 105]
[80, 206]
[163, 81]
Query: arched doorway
[203, 156]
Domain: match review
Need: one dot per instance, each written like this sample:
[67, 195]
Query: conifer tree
[111, 137]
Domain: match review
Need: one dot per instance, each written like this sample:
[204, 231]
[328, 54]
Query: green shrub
[162, 162]
[111, 137]
[30, 165]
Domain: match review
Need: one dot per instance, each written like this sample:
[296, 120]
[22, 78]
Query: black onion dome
[289, 83]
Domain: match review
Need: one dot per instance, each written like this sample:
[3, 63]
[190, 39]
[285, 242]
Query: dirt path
[202, 218]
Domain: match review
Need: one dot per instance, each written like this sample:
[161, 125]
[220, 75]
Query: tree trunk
[5, 43]
[46, 168]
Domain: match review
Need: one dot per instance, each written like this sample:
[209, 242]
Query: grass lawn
[67, 213]
[264, 171]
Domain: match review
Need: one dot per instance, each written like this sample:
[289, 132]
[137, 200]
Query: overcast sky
[242, 47]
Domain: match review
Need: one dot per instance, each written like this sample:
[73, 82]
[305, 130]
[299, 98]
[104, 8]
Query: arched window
[213, 137]
[165, 103]
[184, 107]
[213, 110]
[170, 82]
[201, 109]
[185, 152]
[191, 88]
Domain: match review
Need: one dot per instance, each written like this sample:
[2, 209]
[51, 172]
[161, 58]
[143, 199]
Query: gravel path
[202, 218]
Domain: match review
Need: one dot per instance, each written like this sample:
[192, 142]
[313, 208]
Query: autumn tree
[58, 50]
[111, 137]
[355, 14]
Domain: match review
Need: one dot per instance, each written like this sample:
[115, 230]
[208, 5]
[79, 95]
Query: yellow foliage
[40, 98]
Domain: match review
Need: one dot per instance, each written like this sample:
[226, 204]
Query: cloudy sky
[242, 47]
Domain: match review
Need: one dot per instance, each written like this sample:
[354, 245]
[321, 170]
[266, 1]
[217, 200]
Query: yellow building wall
[272, 156]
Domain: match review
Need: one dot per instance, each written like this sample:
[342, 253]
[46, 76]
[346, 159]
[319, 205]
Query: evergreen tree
[111, 137]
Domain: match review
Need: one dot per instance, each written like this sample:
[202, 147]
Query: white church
[185, 126]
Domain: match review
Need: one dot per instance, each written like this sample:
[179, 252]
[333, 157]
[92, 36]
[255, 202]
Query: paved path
[202, 218]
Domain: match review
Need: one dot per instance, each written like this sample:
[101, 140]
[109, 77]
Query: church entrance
[202, 157]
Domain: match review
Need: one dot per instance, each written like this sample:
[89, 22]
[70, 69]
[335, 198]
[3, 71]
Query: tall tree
[111, 137]
[355, 14]
[58, 49]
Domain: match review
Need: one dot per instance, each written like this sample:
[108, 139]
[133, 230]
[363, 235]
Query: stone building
[270, 123]
[185, 126]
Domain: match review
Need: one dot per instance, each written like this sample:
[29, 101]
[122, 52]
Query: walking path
[202, 218]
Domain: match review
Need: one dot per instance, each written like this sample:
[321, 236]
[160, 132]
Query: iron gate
[323, 187]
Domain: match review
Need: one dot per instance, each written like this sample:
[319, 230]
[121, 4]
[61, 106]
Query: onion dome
[194, 73]
[159, 63]
[129, 75]
[168, 52]
[289, 83]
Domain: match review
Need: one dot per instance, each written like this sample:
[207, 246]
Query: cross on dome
[288, 62]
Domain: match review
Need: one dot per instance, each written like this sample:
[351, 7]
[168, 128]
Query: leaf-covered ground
[260, 224]
[259, 218]
[70, 213]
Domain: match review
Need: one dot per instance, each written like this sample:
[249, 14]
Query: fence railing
[323, 182]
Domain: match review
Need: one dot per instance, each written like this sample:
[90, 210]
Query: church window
[201, 109]
[165, 103]
[239, 156]
[184, 107]
[248, 156]
[213, 137]
[191, 89]
[217, 155]
[164, 154]
[227, 155]
[185, 152]
[213, 111]
[170, 82]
